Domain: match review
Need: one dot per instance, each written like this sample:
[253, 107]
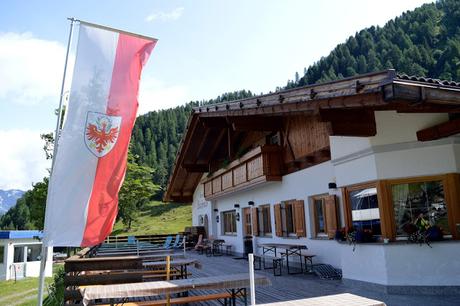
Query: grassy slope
[23, 292]
[159, 218]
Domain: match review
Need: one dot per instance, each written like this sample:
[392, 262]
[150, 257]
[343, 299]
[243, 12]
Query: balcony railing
[260, 165]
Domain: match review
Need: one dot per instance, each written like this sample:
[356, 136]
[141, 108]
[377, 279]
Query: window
[265, 221]
[424, 199]
[18, 254]
[365, 213]
[318, 212]
[325, 217]
[386, 206]
[229, 223]
[2, 253]
[290, 219]
[33, 252]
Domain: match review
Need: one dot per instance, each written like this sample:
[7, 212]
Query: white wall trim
[395, 147]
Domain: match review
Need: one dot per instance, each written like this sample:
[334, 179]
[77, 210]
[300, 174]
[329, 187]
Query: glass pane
[2, 252]
[365, 210]
[18, 254]
[267, 220]
[319, 215]
[33, 252]
[420, 202]
[264, 220]
[289, 219]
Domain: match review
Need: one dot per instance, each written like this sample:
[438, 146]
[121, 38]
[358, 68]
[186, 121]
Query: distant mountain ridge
[8, 199]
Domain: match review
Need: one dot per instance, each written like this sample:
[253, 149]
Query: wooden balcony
[263, 164]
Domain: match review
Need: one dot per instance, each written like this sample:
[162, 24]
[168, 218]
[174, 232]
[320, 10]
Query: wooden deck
[293, 287]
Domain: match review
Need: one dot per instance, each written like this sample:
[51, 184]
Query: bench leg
[277, 265]
[257, 263]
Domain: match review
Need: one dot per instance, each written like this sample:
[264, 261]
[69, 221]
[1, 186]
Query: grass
[23, 292]
[158, 218]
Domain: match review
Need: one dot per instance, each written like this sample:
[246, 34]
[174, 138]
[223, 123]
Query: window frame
[315, 224]
[224, 232]
[261, 220]
[284, 223]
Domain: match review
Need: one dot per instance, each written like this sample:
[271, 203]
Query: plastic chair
[131, 240]
[176, 242]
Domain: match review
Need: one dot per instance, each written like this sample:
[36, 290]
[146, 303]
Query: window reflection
[365, 210]
[420, 199]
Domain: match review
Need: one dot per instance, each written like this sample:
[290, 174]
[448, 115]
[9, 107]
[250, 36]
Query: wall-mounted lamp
[237, 217]
[216, 210]
[332, 185]
[236, 205]
[217, 219]
[251, 203]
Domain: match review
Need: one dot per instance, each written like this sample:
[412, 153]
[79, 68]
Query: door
[247, 224]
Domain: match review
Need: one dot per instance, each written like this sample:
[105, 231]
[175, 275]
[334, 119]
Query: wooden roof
[207, 131]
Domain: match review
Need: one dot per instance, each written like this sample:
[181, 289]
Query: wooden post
[168, 267]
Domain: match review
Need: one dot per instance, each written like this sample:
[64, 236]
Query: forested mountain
[424, 42]
[156, 135]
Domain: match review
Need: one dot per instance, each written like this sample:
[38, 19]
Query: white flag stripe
[68, 200]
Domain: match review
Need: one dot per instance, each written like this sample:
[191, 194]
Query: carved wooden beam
[438, 131]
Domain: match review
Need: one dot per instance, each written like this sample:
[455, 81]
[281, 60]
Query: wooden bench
[277, 263]
[308, 262]
[182, 300]
[228, 249]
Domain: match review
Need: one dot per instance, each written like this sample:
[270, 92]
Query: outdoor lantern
[332, 185]
[236, 205]
[251, 203]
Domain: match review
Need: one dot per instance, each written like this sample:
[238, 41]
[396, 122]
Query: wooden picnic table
[178, 264]
[330, 300]
[293, 249]
[236, 283]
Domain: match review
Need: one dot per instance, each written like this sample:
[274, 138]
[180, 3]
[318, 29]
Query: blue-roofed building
[20, 254]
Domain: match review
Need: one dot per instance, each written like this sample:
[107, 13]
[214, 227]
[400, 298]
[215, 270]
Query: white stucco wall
[201, 208]
[394, 152]
[299, 185]
[401, 264]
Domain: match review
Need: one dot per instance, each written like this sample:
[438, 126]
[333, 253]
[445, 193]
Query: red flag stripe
[103, 205]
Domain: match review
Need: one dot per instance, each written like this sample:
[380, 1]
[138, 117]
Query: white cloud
[155, 95]
[165, 16]
[22, 159]
[30, 68]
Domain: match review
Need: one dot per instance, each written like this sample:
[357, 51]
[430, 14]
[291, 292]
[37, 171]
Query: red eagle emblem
[101, 132]
[100, 137]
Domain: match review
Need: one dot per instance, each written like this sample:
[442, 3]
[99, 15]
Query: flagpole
[44, 252]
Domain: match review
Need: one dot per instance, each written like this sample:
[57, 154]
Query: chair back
[168, 241]
[200, 241]
[131, 240]
[176, 242]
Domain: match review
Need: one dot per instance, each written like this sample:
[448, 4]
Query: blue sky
[205, 48]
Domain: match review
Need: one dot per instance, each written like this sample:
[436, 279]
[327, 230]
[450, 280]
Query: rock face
[8, 199]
